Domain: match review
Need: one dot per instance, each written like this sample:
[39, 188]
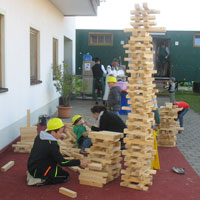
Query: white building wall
[19, 16]
[70, 33]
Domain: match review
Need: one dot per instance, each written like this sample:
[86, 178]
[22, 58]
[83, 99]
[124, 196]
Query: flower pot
[64, 112]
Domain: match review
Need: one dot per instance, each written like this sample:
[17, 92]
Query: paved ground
[188, 142]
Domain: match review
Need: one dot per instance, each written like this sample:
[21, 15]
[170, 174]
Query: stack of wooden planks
[168, 127]
[139, 139]
[104, 158]
[68, 145]
[28, 135]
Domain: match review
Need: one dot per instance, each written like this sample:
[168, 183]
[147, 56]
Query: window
[55, 54]
[1, 27]
[34, 56]
[197, 40]
[100, 39]
[2, 69]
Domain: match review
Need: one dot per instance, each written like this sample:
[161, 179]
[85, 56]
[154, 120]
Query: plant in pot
[68, 85]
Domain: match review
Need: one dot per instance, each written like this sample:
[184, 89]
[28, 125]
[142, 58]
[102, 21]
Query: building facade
[34, 36]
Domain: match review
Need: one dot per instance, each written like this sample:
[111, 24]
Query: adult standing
[163, 61]
[98, 71]
[185, 107]
[112, 70]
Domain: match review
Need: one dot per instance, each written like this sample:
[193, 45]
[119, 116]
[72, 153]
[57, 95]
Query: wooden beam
[68, 192]
[7, 166]
[28, 118]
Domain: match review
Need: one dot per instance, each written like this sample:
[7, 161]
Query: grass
[193, 99]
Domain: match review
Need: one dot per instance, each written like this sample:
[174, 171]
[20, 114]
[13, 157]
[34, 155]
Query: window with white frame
[34, 56]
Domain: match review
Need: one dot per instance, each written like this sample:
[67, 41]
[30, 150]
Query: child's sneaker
[85, 153]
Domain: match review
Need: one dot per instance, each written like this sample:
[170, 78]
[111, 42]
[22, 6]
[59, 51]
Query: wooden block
[148, 142]
[105, 135]
[69, 158]
[136, 18]
[94, 179]
[77, 155]
[30, 129]
[7, 166]
[94, 173]
[145, 181]
[68, 192]
[28, 118]
[21, 148]
[91, 183]
[75, 169]
[134, 186]
[145, 24]
[95, 166]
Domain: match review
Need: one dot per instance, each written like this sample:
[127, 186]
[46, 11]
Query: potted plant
[68, 85]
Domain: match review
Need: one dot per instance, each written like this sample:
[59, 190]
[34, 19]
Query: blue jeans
[180, 116]
[86, 143]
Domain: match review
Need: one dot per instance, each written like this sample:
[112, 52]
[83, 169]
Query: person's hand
[84, 163]
[85, 134]
[158, 126]
[65, 129]
[63, 136]
[87, 124]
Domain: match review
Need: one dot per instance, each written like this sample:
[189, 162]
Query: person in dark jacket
[108, 121]
[45, 156]
[114, 97]
[98, 71]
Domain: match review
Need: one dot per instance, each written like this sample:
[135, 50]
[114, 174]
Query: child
[80, 131]
[45, 157]
[114, 97]
[156, 115]
[172, 88]
[185, 107]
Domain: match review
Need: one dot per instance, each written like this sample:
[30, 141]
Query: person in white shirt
[112, 70]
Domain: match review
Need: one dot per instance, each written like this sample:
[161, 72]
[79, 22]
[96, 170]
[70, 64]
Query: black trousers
[56, 176]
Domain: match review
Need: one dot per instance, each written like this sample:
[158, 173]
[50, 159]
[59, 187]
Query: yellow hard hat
[111, 79]
[54, 123]
[75, 117]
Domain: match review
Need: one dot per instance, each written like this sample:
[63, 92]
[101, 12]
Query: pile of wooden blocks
[28, 135]
[68, 145]
[104, 158]
[139, 139]
[168, 127]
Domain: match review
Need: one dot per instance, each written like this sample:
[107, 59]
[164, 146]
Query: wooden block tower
[28, 134]
[104, 158]
[168, 126]
[139, 139]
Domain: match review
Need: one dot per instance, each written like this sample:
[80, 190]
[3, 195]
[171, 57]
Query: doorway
[161, 58]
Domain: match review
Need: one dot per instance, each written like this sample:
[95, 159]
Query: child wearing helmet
[114, 97]
[80, 131]
[45, 157]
